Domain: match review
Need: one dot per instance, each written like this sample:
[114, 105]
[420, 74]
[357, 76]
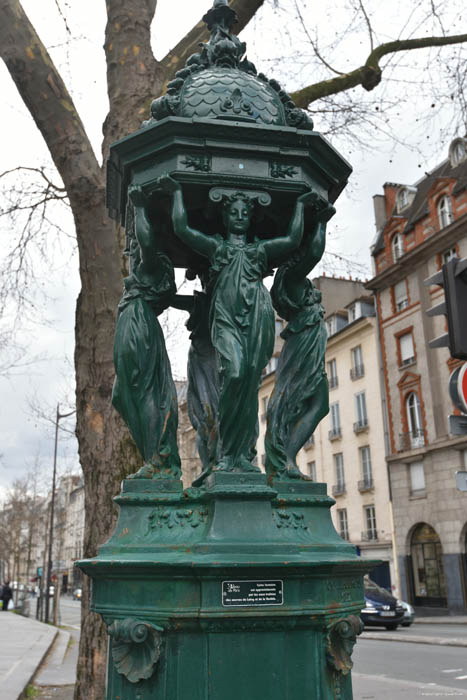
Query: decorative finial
[220, 15]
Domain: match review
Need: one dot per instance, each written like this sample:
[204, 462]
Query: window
[448, 255]
[335, 420]
[360, 410]
[272, 365]
[355, 311]
[397, 247]
[339, 469]
[414, 420]
[332, 374]
[264, 401]
[406, 349]
[312, 470]
[445, 214]
[417, 476]
[401, 298]
[331, 326]
[365, 461]
[402, 198]
[370, 521]
[357, 362]
[457, 152]
[343, 523]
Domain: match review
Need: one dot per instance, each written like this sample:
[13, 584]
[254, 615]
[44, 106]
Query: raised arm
[203, 244]
[143, 229]
[278, 247]
[311, 252]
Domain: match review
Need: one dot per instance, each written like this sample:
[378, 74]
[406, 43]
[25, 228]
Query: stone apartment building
[418, 228]
[347, 449]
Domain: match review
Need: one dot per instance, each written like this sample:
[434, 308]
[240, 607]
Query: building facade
[347, 449]
[419, 227]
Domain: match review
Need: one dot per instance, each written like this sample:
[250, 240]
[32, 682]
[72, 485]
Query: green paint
[227, 180]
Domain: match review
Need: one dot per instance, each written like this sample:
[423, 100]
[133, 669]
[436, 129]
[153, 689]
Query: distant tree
[134, 78]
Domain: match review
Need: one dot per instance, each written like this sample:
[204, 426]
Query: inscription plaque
[246, 593]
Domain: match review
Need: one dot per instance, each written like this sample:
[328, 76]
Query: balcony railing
[369, 535]
[333, 381]
[412, 440]
[357, 372]
[335, 434]
[338, 489]
[365, 485]
[360, 425]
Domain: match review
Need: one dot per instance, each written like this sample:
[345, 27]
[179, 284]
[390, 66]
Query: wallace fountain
[238, 586]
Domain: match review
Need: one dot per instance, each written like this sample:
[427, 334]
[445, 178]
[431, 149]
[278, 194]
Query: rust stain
[95, 420]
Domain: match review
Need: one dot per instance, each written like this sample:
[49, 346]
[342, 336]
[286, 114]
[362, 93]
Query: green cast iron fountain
[239, 586]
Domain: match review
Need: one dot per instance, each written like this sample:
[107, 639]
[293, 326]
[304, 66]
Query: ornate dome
[228, 93]
[219, 83]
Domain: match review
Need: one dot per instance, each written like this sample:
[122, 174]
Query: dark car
[381, 608]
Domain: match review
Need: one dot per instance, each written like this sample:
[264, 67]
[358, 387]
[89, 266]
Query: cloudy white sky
[24, 438]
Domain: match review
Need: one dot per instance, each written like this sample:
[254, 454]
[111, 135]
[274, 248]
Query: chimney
[379, 206]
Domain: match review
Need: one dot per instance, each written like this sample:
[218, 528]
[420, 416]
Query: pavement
[32, 653]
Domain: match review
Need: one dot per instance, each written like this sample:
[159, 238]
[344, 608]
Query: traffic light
[453, 278]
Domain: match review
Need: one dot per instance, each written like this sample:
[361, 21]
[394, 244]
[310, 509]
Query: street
[385, 669]
[397, 669]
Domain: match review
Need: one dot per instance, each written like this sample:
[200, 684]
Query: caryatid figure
[241, 313]
[300, 398]
[144, 391]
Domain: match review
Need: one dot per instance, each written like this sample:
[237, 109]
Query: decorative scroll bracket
[136, 648]
[340, 640]
[217, 194]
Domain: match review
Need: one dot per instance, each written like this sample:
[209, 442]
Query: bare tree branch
[314, 43]
[45, 95]
[370, 74]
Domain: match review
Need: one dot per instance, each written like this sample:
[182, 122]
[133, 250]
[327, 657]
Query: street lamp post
[58, 417]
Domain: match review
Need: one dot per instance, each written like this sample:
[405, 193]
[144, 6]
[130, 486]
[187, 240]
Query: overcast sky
[24, 438]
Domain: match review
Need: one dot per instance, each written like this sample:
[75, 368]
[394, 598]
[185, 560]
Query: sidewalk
[23, 646]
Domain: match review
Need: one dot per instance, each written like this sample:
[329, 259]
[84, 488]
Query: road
[70, 612]
[385, 670]
[410, 671]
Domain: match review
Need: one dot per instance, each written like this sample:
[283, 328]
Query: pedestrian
[7, 595]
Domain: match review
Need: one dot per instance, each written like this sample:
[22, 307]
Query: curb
[413, 639]
[34, 665]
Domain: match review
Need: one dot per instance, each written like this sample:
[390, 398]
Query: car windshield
[372, 587]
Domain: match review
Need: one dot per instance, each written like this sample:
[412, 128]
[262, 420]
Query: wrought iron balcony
[369, 535]
[338, 489]
[357, 372]
[333, 381]
[335, 433]
[366, 485]
[360, 425]
[412, 440]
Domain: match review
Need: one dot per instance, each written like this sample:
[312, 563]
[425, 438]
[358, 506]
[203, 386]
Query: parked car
[409, 613]
[381, 608]
[77, 594]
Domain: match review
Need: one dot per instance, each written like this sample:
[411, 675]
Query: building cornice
[435, 243]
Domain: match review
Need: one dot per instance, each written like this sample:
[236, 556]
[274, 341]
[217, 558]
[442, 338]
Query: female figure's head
[237, 213]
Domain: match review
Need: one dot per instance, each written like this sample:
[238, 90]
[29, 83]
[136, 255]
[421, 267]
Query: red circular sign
[462, 386]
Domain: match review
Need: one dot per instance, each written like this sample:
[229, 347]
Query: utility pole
[58, 417]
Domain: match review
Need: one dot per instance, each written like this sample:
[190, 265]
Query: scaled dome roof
[219, 83]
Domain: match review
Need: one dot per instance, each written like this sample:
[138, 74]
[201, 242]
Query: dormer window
[397, 247]
[457, 152]
[355, 311]
[402, 199]
[445, 215]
